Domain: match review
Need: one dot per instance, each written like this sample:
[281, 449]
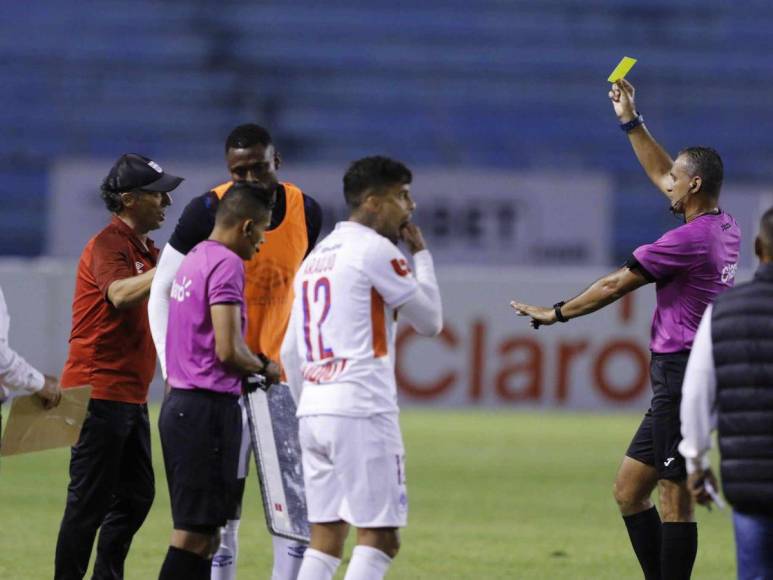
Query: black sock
[184, 565]
[680, 544]
[644, 529]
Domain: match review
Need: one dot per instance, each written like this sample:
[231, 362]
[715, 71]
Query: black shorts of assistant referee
[200, 437]
[657, 440]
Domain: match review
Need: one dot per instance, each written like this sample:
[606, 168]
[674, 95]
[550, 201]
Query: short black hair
[242, 201]
[249, 135]
[373, 174]
[705, 163]
[766, 229]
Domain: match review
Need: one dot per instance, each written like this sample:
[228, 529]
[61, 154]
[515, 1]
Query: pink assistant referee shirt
[210, 274]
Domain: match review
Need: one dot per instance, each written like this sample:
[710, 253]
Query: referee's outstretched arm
[602, 292]
[655, 160]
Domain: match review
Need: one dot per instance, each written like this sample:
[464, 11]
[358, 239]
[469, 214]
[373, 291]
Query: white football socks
[224, 560]
[367, 564]
[318, 565]
[288, 556]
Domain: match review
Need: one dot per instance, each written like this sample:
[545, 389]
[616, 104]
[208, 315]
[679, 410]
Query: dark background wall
[502, 84]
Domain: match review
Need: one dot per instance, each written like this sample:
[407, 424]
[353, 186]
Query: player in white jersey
[340, 347]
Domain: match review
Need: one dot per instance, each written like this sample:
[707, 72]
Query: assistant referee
[207, 358]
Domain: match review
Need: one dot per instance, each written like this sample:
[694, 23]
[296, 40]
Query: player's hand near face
[622, 96]
[696, 483]
[411, 235]
[51, 393]
[540, 316]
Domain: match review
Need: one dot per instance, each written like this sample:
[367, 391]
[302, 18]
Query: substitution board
[277, 450]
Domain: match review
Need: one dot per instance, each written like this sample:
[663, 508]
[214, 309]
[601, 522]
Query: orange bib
[268, 290]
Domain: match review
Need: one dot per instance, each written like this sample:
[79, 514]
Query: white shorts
[354, 470]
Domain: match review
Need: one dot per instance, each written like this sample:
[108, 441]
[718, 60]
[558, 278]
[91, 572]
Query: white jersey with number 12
[347, 293]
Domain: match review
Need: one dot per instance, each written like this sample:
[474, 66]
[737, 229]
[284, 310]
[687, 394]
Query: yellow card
[622, 69]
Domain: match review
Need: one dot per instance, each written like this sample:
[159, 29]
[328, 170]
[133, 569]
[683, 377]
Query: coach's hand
[539, 315]
[51, 393]
[622, 96]
[413, 238]
[696, 483]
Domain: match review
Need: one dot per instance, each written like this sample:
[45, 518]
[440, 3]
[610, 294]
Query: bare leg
[329, 538]
[323, 555]
[376, 547]
[634, 484]
[676, 504]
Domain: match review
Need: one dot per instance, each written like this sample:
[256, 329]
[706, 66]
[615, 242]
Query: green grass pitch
[492, 495]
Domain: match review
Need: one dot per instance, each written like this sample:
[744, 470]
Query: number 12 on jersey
[320, 294]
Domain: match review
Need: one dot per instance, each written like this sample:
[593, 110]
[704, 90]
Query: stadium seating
[500, 83]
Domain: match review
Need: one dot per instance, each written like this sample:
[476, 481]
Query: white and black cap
[134, 172]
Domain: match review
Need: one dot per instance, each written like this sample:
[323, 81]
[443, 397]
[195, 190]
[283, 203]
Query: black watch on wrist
[633, 123]
[557, 309]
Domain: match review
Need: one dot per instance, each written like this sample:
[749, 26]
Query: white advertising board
[485, 357]
[470, 216]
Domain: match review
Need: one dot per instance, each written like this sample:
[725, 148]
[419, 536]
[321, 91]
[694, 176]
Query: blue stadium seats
[500, 83]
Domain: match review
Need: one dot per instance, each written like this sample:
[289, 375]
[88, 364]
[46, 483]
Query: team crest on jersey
[401, 266]
[140, 267]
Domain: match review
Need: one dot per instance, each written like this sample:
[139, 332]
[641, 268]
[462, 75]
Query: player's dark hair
[766, 229]
[249, 135]
[706, 163]
[372, 175]
[243, 201]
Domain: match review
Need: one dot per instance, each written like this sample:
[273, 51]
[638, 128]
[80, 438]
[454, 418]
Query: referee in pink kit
[207, 359]
[690, 266]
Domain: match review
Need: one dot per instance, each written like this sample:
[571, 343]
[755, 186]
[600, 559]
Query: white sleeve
[698, 410]
[389, 272]
[158, 303]
[424, 310]
[291, 358]
[16, 374]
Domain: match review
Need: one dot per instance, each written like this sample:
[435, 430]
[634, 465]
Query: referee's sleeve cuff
[633, 264]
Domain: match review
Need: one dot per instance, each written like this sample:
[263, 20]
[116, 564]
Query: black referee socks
[644, 529]
[184, 565]
[680, 544]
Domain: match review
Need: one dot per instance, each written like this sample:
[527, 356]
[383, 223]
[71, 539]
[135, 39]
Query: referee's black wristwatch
[557, 309]
[632, 124]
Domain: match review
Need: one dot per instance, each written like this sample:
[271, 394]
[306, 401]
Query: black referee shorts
[657, 440]
[200, 436]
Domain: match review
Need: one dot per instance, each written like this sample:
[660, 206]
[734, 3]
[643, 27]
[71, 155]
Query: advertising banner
[486, 356]
[470, 216]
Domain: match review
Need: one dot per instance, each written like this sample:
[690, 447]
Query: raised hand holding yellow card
[622, 69]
